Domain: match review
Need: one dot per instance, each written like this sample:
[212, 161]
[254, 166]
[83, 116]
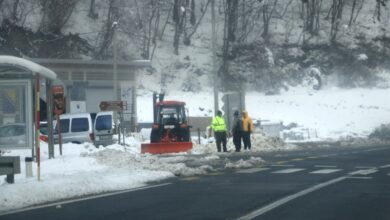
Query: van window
[80, 124]
[103, 122]
[64, 126]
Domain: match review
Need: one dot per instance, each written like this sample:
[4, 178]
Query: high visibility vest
[218, 124]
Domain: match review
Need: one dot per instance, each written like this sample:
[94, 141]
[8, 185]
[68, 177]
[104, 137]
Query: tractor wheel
[155, 136]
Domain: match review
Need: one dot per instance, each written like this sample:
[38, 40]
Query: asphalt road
[326, 183]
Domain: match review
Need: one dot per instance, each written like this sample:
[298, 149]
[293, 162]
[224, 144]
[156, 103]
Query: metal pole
[59, 132]
[115, 77]
[115, 63]
[199, 135]
[215, 73]
[37, 119]
[119, 133]
[115, 72]
[49, 115]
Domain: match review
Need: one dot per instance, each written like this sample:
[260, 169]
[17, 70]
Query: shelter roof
[29, 66]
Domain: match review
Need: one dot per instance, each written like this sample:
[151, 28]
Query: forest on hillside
[266, 44]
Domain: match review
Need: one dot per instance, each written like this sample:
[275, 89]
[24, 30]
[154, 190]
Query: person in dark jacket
[237, 130]
[219, 127]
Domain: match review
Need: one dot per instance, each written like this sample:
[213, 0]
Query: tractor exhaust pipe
[160, 98]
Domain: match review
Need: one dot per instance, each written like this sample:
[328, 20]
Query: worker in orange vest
[247, 128]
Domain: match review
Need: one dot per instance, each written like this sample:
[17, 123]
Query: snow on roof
[27, 65]
[134, 63]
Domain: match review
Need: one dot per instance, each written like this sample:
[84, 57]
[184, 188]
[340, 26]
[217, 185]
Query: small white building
[88, 82]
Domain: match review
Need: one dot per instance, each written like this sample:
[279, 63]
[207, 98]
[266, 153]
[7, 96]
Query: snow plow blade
[162, 148]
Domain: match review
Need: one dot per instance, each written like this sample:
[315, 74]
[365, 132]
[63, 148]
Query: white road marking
[60, 204]
[325, 171]
[282, 165]
[284, 200]
[364, 172]
[253, 170]
[385, 166]
[292, 170]
[372, 150]
[360, 177]
[325, 166]
[287, 199]
[364, 167]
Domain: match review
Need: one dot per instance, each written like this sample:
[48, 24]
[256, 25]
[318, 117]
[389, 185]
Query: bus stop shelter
[20, 87]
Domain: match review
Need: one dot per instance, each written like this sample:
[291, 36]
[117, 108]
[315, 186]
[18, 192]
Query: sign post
[58, 96]
[113, 106]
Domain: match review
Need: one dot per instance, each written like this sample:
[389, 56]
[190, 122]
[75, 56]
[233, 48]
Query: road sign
[113, 105]
[58, 99]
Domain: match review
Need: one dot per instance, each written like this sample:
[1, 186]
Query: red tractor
[170, 131]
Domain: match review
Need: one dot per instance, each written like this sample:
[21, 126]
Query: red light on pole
[58, 98]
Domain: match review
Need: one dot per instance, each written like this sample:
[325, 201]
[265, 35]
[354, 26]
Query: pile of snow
[253, 161]
[260, 143]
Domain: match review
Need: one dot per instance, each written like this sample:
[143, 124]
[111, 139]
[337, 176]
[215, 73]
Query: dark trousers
[237, 140]
[246, 137]
[220, 136]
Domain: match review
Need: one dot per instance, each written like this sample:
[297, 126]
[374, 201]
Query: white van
[104, 128]
[75, 128]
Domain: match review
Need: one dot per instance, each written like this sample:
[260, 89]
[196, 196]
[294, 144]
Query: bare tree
[193, 14]
[150, 36]
[165, 23]
[148, 29]
[289, 24]
[230, 26]
[105, 38]
[312, 9]
[268, 10]
[336, 15]
[92, 13]
[357, 6]
[192, 30]
[249, 14]
[379, 5]
[15, 10]
[179, 17]
[56, 14]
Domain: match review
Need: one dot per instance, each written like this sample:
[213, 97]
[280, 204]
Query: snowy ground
[87, 170]
[331, 113]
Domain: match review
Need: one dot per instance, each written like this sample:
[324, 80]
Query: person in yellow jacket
[247, 128]
[219, 127]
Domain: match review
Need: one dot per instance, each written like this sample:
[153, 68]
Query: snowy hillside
[298, 61]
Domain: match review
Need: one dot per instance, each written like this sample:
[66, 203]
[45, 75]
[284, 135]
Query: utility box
[200, 123]
[272, 129]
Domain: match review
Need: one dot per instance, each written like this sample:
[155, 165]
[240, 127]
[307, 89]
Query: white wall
[94, 96]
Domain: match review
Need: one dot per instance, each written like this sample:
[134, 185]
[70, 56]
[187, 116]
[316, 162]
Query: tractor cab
[170, 130]
[171, 122]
